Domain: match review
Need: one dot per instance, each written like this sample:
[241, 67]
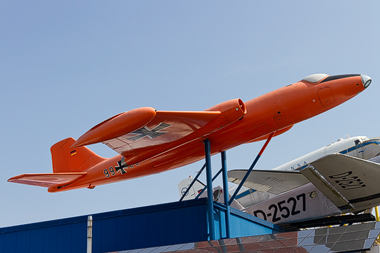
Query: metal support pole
[210, 200]
[250, 168]
[377, 219]
[194, 180]
[225, 192]
[89, 234]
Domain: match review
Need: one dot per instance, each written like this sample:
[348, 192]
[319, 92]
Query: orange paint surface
[150, 141]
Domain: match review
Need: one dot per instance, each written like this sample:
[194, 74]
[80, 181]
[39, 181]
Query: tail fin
[194, 190]
[67, 159]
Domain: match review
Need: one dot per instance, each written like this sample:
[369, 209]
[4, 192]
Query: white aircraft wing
[272, 181]
[352, 184]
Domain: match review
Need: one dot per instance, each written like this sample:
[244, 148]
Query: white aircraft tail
[198, 187]
[194, 190]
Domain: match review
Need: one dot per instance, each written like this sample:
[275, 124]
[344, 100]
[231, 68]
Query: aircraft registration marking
[274, 179]
[283, 209]
[348, 181]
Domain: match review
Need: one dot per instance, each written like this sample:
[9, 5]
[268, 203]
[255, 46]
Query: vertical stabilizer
[67, 159]
[193, 192]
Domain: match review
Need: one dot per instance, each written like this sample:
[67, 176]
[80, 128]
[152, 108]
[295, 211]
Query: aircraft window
[315, 78]
[357, 142]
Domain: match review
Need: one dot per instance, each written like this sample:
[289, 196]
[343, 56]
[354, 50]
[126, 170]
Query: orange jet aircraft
[150, 141]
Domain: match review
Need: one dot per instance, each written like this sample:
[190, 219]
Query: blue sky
[67, 65]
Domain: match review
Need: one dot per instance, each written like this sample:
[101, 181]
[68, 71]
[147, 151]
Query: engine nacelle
[232, 110]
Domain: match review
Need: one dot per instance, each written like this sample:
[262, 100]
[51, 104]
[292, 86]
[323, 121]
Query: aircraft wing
[144, 132]
[272, 181]
[350, 183]
[47, 179]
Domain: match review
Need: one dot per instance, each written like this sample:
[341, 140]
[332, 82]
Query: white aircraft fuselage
[307, 202]
[358, 146]
[336, 179]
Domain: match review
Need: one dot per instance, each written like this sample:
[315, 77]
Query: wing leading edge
[272, 181]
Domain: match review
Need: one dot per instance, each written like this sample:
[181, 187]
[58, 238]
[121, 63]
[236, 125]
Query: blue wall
[144, 227]
[241, 224]
[66, 235]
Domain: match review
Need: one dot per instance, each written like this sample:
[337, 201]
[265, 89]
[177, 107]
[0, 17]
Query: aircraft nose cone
[366, 80]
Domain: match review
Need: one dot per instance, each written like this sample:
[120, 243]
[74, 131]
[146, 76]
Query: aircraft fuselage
[276, 111]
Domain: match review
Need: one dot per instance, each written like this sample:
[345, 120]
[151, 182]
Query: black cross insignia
[120, 167]
[150, 133]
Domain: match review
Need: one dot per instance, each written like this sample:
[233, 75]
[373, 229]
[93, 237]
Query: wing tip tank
[116, 126]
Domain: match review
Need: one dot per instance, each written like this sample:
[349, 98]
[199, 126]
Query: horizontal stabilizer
[350, 183]
[272, 181]
[47, 179]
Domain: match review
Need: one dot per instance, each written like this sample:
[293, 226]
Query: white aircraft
[339, 178]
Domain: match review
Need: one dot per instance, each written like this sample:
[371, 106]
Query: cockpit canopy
[315, 78]
[366, 80]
